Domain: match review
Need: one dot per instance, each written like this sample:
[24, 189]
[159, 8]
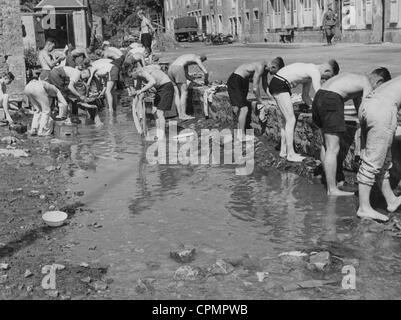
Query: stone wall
[11, 43]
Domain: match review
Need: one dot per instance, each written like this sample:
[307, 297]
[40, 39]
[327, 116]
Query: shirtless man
[178, 73]
[155, 78]
[328, 115]
[5, 80]
[378, 119]
[289, 77]
[109, 73]
[65, 79]
[238, 86]
[41, 96]
[146, 33]
[46, 60]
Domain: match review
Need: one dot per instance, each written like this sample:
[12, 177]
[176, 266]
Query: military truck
[186, 29]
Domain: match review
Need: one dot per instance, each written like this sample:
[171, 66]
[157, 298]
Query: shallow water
[148, 210]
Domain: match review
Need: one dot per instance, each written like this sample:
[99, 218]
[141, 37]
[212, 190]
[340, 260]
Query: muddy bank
[32, 182]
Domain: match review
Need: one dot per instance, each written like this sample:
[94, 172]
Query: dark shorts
[238, 89]
[146, 40]
[328, 112]
[330, 30]
[278, 85]
[114, 74]
[164, 97]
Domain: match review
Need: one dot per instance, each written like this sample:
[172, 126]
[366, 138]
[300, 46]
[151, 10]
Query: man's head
[50, 44]
[379, 76]
[105, 45]
[85, 74]
[141, 14]
[203, 57]
[276, 65]
[329, 69]
[79, 56]
[8, 77]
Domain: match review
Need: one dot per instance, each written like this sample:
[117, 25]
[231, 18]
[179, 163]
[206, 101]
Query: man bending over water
[289, 77]
[378, 119]
[155, 78]
[178, 73]
[328, 115]
[238, 85]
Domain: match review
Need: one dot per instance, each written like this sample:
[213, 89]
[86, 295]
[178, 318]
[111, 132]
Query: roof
[62, 4]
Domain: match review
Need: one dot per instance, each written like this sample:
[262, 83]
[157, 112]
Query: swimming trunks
[328, 111]
[164, 97]
[238, 89]
[177, 74]
[279, 85]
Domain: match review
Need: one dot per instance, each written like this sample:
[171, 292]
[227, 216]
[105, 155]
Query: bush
[31, 58]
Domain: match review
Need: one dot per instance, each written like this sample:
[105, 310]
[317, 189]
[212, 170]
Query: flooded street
[143, 211]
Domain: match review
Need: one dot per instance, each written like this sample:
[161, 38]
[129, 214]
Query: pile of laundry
[208, 95]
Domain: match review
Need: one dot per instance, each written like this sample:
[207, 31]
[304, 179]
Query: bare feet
[372, 214]
[392, 207]
[339, 193]
[283, 154]
[295, 158]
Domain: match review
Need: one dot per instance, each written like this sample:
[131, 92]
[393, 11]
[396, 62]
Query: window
[256, 14]
[247, 16]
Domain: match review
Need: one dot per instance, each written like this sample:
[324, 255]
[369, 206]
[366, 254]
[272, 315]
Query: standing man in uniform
[329, 25]
[146, 33]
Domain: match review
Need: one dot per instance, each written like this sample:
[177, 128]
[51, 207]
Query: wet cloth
[177, 74]
[328, 111]
[238, 88]
[164, 97]
[378, 120]
[208, 96]
[279, 85]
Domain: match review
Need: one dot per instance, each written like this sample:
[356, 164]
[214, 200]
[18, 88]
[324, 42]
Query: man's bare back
[186, 60]
[349, 85]
[159, 76]
[300, 73]
[248, 70]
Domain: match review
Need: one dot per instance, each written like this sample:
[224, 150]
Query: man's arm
[366, 89]
[256, 83]
[49, 61]
[150, 26]
[316, 77]
[204, 70]
[150, 82]
[306, 93]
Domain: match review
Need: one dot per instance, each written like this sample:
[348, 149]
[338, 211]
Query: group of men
[376, 97]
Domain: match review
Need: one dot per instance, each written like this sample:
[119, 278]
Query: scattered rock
[93, 248]
[138, 250]
[86, 280]
[185, 256]
[320, 260]
[52, 293]
[29, 288]
[84, 265]
[144, 286]
[28, 274]
[50, 168]
[65, 297]
[3, 278]
[98, 285]
[187, 273]
[9, 140]
[42, 197]
[221, 267]
[262, 276]
[79, 193]
[4, 266]
[297, 254]
[17, 153]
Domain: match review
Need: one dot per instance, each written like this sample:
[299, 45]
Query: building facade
[367, 21]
